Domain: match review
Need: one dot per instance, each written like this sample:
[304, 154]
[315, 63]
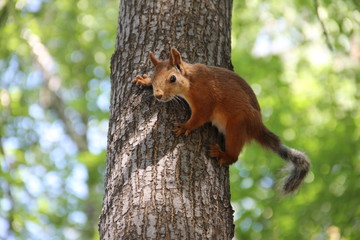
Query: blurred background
[302, 59]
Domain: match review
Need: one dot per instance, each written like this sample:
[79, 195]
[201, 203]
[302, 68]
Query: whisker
[181, 102]
[174, 100]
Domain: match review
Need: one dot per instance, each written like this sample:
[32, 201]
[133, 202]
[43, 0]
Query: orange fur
[222, 97]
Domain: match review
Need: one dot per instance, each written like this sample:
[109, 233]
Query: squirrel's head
[169, 79]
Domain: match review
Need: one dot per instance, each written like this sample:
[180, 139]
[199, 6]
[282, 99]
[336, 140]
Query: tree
[50, 189]
[159, 186]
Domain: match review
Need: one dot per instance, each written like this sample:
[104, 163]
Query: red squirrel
[222, 97]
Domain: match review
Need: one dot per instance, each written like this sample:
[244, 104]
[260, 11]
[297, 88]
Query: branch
[325, 32]
[52, 84]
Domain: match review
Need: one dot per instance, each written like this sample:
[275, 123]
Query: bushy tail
[300, 162]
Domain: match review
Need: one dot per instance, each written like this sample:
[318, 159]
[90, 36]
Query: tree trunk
[158, 186]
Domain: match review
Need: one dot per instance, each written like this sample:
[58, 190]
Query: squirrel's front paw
[142, 80]
[181, 129]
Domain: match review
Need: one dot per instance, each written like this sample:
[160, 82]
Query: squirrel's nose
[158, 95]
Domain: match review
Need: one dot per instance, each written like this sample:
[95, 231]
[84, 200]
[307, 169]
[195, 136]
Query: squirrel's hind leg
[235, 140]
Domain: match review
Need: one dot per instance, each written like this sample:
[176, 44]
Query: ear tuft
[175, 52]
[175, 58]
[153, 59]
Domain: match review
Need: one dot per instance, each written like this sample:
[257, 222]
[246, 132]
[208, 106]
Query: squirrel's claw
[180, 129]
[142, 80]
[215, 151]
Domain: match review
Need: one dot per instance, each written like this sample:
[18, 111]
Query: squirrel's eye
[172, 79]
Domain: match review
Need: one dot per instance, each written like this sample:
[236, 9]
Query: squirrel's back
[227, 87]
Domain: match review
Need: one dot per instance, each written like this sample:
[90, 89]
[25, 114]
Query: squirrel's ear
[175, 59]
[153, 59]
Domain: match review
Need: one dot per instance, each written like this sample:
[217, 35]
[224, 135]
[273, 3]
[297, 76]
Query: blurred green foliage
[310, 98]
[54, 99]
[55, 87]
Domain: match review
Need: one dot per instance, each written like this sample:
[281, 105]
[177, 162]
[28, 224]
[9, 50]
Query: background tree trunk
[159, 186]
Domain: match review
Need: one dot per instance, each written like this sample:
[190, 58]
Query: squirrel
[222, 97]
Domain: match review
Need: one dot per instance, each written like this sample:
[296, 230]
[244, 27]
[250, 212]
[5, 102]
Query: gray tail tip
[300, 168]
[294, 180]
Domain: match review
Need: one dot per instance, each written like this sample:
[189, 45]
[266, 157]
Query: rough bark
[158, 186]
